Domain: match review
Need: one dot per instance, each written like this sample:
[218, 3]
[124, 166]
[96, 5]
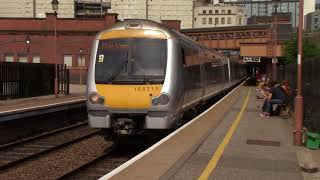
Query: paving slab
[309, 161]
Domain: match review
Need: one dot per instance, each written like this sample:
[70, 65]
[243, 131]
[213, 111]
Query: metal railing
[21, 80]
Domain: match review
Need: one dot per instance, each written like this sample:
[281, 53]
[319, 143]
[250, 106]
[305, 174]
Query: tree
[290, 50]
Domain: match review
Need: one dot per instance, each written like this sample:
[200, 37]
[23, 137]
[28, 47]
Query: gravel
[59, 162]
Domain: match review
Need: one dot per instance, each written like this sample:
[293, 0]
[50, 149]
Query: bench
[283, 110]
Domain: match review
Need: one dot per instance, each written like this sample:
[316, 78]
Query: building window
[204, 21]
[36, 59]
[240, 21]
[216, 11]
[216, 21]
[315, 20]
[223, 20]
[23, 59]
[9, 58]
[81, 61]
[67, 59]
[229, 11]
[195, 19]
[229, 20]
[210, 11]
[223, 11]
[210, 20]
[204, 12]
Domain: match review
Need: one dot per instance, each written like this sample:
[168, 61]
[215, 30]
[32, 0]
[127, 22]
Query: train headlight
[96, 99]
[155, 101]
[163, 99]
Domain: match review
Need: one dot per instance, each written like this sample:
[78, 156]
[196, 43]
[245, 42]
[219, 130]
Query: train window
[111, 60]
[183, 56]
[131, 60]
[149, 57]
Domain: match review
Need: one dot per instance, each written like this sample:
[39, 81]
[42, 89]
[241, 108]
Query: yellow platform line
[216, 156]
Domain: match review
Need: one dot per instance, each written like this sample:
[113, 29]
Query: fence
[20, 80]
[310, 89]
[63, 79]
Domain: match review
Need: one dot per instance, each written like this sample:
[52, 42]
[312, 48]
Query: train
[143, 76]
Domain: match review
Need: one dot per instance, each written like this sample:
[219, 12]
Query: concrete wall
[66, 8]
[157, 10]
[16, 8]
[35, 8]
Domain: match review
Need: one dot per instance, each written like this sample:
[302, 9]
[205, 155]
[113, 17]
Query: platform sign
[250, 59]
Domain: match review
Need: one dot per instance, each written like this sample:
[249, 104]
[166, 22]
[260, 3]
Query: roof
[229, 28]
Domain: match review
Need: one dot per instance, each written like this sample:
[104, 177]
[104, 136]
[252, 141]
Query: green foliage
[290, 51]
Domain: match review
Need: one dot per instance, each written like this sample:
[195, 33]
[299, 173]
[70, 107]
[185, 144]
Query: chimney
[173, 24]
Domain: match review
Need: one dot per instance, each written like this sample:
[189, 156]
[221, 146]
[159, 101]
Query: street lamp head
[28, 40]
[81, 51]
[55, 5]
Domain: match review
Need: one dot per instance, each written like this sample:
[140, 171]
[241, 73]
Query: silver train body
[140, 96]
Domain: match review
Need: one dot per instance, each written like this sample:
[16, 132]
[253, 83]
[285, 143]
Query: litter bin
[313, 140]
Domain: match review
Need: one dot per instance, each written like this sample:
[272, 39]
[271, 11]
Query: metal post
[193, 5]
[81, 51]
[34, 4]
[55, 57]
[101, 9]
[147, 4]
[229, 70]
[298, 106]
[274, 62]
[55, 7]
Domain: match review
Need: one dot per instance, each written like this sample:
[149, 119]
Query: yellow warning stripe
[216, 156]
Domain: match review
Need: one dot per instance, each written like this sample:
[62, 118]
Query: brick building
[74, 39]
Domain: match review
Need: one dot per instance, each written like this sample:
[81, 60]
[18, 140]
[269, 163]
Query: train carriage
[144, 76]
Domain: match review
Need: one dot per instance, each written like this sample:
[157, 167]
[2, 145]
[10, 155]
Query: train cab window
[111, 60]
[131, 60]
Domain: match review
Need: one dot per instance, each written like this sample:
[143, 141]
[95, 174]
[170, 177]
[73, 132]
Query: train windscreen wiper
[114, 75]
[145, 74]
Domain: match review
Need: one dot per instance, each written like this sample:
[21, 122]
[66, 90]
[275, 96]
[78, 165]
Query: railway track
[19, 152]
[103, 164]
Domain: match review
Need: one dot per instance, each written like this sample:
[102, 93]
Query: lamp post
[55, 7]
[298, 104]
[147, 8]
[28, 41]
[81, 53]
[274, 59]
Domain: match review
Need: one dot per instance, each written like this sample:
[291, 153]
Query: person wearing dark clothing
[277, 95]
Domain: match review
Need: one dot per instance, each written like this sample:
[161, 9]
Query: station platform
[14, 107]
[229, 141]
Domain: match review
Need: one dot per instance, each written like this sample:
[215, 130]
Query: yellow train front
[143, 77]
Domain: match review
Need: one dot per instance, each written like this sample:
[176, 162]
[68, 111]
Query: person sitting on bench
[277, 95]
